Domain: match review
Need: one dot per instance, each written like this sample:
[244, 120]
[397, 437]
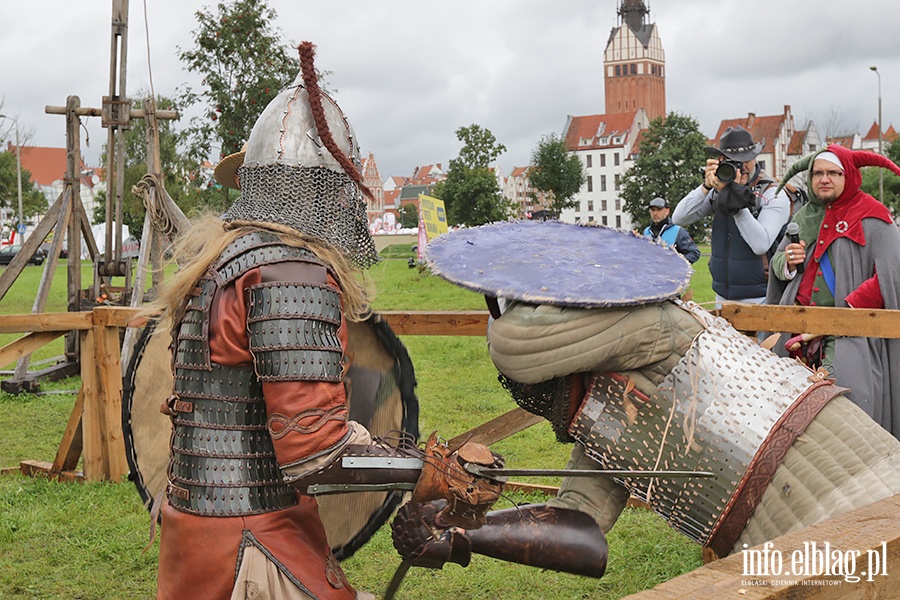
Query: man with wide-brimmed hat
[845, 255]
[748, 216]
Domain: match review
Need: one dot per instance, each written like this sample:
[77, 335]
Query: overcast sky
[408, 74]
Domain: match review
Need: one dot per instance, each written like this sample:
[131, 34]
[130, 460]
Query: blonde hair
[195, 251]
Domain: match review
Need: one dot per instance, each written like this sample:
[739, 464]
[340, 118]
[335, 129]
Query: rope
[149, 67]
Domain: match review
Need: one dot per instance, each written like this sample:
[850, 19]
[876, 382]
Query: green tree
[409, 216]
[556, 173]
[667, 166]
[871, 179]
[180, 175]
[33, 201]
[470, 193]
[244, 64]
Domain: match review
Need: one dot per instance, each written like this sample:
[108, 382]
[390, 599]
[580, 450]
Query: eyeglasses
[831, 174]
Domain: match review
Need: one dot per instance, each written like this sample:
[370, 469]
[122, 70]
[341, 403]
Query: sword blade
[494, 473]
[397, 579]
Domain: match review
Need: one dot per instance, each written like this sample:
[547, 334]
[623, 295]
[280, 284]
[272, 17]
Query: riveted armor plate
[259, 256]
[223, 460]
[211, 501]
[711, 413]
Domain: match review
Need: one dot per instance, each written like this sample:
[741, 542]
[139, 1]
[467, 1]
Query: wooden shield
[382, 383]
[549, 262]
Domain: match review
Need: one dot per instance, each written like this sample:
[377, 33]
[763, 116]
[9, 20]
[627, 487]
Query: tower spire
[633, 13]
[634, 63]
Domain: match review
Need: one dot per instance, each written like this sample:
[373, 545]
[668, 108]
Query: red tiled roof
[845, 141]
[46, 165]
[873, 132]
[390, 197]
[795, 146]
[586, 127]
[518, 171]
[423, 172]
[759, 127]
[637, 141]
[891, 134]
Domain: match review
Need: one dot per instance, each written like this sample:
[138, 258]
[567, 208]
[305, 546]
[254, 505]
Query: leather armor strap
[766, 461]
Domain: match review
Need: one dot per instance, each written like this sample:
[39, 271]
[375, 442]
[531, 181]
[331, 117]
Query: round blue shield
[548, 262]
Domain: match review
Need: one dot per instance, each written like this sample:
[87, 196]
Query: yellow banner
[433, 215]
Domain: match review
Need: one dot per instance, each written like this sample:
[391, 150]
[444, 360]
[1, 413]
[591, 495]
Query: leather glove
[424, 540]
[445, 477]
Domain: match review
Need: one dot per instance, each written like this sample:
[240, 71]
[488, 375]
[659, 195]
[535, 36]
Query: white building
[606, 145]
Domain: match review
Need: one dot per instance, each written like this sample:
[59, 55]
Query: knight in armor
[258, 313]
[662, 385]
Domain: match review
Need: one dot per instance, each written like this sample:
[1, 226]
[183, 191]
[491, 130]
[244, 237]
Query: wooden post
[71, 445]
[73, 234]
[103, 441]
[109, 385]
[91, 423]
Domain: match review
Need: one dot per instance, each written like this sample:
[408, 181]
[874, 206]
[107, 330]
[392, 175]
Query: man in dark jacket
[663, 229]
[748, 216]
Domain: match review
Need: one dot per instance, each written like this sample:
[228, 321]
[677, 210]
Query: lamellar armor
[223, 460]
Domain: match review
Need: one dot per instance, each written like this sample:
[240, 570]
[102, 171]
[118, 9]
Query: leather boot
[537, 535]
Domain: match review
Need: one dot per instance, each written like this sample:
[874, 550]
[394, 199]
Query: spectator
[748, 216]
[852, 263]
[663, 229]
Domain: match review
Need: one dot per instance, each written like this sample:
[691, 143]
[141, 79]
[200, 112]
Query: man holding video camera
[748, 216]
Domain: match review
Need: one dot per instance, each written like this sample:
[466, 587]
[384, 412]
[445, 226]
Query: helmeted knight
[638, 379]
[259, 315]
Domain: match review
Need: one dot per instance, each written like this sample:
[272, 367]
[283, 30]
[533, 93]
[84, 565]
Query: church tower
[634, 63]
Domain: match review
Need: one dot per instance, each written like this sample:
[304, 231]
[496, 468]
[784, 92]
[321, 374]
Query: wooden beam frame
[813, 319]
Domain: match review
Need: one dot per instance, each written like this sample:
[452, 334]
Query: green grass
[86, 540]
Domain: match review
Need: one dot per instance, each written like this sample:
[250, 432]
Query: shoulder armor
[293, 329]
[255, 250]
